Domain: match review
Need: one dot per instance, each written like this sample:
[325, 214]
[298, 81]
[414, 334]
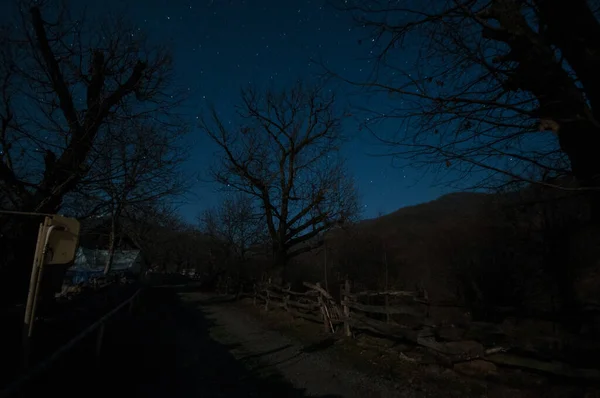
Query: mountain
[533, 251]
[419, 244]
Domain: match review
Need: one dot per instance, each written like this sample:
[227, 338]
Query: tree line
[502, 90]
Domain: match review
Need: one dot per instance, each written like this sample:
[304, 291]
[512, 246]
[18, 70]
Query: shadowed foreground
[166, 351]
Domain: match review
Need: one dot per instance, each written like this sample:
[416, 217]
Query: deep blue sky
[221, 45]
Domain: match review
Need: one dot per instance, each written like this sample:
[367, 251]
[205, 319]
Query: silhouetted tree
[133, 165]
[501, 86]
[284, 153]
[165, 240]
[64, 82]
[236, 224]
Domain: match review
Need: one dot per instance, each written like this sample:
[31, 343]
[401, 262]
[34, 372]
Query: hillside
[482, 251]
[417, 242]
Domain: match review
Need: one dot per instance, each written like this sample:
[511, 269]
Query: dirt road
[198, 346]
[189, 344]
[268, 354]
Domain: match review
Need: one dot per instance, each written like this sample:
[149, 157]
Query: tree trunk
[111, 246]
[280, 261]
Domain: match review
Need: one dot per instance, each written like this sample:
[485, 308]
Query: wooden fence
[315, 304]
[405, 316]
[410, 309]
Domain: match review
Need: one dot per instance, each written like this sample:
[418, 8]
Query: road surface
[189, 344]
[192, 345]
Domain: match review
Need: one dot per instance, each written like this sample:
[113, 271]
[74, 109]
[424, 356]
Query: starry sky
[221, 45]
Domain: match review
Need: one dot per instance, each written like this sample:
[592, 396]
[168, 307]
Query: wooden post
[286, 300]
[131, 305]
[426, 296]
[345, 298]
[240, 291]
[99, 338]
[387, 297]
[321, 305]
[38, 260]
[255, 294]
[267, 295]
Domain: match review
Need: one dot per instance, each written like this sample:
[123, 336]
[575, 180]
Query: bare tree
[235, 228]
[167, 243]
[236, 224]
[65, 83]
[284, 153]
[134, 165]
[506, 88]
[64, 86]
[154, 227]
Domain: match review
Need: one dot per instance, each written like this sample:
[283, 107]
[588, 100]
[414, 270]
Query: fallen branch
[553, 367]
[384, 293]
[388, 329]
[397, 309]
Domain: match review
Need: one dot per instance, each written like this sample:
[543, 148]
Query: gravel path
[195, 346]
[266, 353]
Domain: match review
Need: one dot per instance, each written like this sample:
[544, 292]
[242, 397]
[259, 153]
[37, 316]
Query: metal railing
[46, 363]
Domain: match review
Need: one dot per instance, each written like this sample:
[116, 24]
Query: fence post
[267, 295]
[255, 293]
[322, 306]
[345, 298]
[131, 305]
[286, 300]
[387, 308]
[100, 338]
[240, 292]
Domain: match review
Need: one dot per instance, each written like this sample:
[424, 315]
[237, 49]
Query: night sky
[222, 45]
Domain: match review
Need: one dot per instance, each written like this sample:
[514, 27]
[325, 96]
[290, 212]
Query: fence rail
[42, 366]
[315, 304]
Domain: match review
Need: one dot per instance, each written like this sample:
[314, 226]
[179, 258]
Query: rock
[450, 333]
[476, 368]
[466, 349]
[455, 350]
[487, 333]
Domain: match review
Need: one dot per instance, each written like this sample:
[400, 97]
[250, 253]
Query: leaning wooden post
[345, 298]
[322, 306]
